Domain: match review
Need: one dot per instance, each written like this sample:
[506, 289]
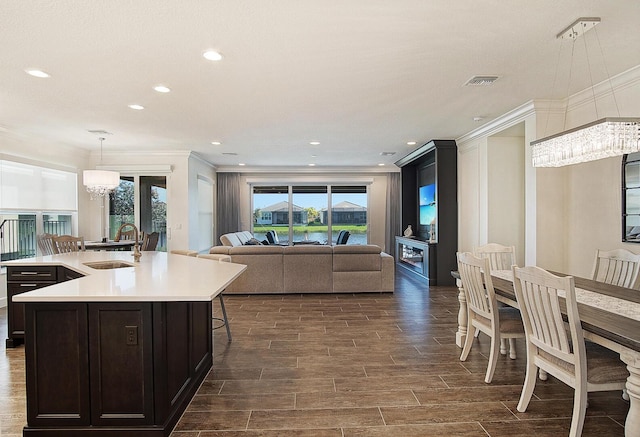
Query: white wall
[569, 212]
[505, 199]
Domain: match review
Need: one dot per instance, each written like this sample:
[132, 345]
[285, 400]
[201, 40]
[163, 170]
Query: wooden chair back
[67, 243]
[617, 267]
[538, 294]
[150, 241]
[478, 287]
[45, 244]
[500, 257]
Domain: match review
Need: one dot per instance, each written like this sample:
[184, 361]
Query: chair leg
[493, 357]
[224, 316]
[579, 411]
[503, 346]
[512, 348]
[529, 385]
[468, 341]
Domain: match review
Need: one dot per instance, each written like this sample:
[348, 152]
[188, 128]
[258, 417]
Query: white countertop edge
[159, 277]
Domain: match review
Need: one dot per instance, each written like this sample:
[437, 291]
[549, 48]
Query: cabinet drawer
[32, 273]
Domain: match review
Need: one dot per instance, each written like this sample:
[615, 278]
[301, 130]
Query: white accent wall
[562, 215]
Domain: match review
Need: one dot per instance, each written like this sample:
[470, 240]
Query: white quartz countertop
[158, 276]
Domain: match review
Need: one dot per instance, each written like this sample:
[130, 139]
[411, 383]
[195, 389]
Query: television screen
[427, 195]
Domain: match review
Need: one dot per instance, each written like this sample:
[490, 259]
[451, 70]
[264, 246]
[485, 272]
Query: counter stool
[224, 320]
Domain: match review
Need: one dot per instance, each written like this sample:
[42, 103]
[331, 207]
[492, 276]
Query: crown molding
[308, 170]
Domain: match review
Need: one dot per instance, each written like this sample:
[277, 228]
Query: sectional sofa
[307, 268]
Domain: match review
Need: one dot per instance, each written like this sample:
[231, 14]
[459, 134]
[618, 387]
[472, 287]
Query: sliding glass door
[141, 200]
[310, 214]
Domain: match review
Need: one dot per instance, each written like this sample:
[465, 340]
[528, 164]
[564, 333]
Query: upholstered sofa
[310, 268]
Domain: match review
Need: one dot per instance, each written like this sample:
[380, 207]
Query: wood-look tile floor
[354, 365]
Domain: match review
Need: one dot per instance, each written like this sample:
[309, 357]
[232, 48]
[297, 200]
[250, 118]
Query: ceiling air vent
[230, 153]
[481, 80]
[387, 153]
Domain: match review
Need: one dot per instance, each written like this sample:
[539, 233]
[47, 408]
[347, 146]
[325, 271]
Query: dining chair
[224, 320]
[500, 258]
[483, 312]
[67, 243]
[150, 241]
[45, 244]
[617, 267]
[562, 352]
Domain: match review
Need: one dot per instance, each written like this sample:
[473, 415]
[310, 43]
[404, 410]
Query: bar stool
[224, 320]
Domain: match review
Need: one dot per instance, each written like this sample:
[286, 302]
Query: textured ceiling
[361, 77]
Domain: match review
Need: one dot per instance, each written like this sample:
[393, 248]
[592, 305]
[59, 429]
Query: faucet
[136, 249]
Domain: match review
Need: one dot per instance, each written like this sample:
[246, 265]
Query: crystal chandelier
[100, 183]
[604, 138]
[600, 139]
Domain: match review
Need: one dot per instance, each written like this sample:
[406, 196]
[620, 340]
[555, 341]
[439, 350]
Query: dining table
[609, 314]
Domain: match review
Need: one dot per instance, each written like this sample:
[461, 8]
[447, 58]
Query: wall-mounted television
[427, 204]
[427, 208]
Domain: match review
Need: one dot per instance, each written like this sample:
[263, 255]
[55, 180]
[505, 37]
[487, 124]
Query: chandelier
[600, 139]
[604, 138]
[100, 183]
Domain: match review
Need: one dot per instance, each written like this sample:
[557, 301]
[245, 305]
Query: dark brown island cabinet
[116, 352]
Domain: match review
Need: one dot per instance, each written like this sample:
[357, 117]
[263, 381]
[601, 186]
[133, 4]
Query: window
[631, 198]
[310, 214]
[271, 212]
[34, 200]
[148, 195]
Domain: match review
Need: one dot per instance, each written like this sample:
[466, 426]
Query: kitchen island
[122, 349]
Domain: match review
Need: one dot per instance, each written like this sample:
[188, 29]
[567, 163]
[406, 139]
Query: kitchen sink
[106, 265]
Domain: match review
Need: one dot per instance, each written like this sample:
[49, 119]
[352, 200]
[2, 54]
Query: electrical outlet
[131, 335]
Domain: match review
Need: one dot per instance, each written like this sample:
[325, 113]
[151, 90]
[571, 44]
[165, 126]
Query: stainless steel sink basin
[105, 265]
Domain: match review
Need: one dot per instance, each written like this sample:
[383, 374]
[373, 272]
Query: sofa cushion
[264, 272]
[230, 239]
[356, 258]
[244, 236]
[307, 268]
[356, 281]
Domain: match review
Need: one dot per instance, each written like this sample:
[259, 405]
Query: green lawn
[299, 229]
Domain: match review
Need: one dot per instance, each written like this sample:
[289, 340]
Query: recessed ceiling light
[311, 165]
[216, 143]
[161, 88]
[37, 73]
[136, 107]
[411, 143]
[212, 55]
[381, 164]
[241, 163]
[478, 118]
[315, 143]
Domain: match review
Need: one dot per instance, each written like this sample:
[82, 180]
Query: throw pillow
[252, 242]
